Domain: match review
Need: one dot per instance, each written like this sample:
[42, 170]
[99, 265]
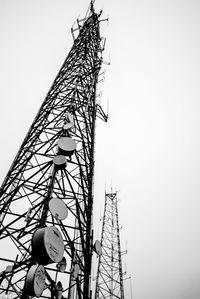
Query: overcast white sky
[149, 149]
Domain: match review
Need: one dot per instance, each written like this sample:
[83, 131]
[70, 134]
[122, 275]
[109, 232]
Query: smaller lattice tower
[109, 281]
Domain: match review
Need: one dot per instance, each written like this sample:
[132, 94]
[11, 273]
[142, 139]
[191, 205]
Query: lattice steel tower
[46, 199]
[109, 281]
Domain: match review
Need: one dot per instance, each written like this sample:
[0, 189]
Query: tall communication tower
[46, 199]
[109, 281]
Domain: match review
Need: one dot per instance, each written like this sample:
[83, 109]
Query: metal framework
[109, 281]
[38, 174]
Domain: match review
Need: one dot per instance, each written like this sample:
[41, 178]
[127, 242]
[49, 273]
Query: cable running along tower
[46, 199]
[109, 283]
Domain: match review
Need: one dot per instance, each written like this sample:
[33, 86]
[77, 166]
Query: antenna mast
[109, 282]
[46, 199]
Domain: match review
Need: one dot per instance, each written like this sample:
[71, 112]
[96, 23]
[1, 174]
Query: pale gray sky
[149, 149]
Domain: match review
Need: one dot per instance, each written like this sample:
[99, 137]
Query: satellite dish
[61, 266]
[47, 245]
[60, 162]
[58, 208]
[66, 146]
[69, 117]
[68, 126]
[35, 280]
[97, 247]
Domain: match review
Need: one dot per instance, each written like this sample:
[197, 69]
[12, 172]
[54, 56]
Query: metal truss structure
[50, 183]
[109, 281]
